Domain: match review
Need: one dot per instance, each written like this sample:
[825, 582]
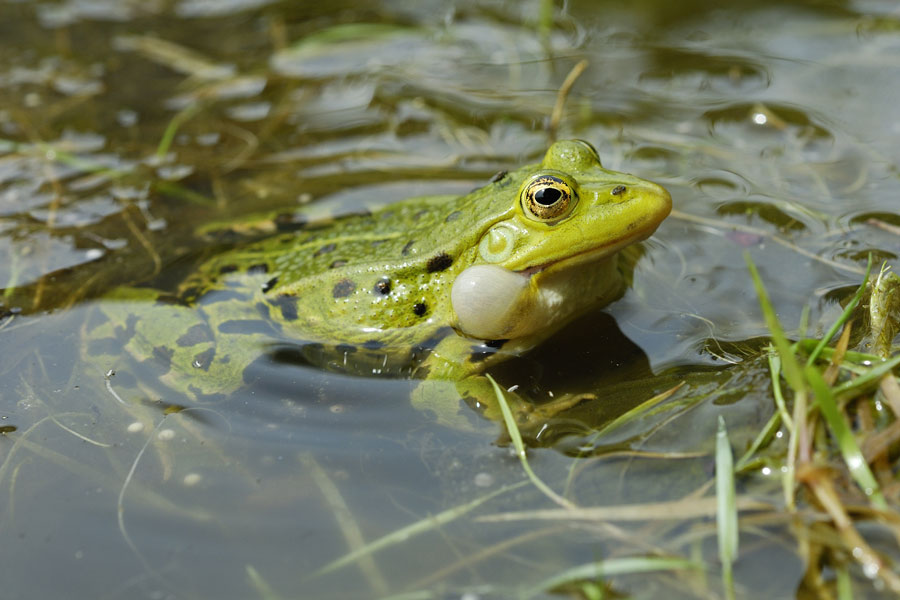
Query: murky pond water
[135, 135]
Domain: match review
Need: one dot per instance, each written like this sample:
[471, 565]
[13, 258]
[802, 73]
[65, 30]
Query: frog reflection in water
[434, 288]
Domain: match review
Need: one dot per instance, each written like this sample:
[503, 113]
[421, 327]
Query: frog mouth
[590, 255]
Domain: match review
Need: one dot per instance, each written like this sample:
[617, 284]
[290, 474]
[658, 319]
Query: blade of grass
[789, 364]
[565, 88]
[871, 377]
[677, 510]
[853, 456]
[794, 377]
[404, 534]
[857, 357]
[726, 509]
[259, 584]
[519, 446]
[611, 568]
[845, 316]
[764, 436]
[180, 118]
[775, 370]
[819, 481]
[347, 523]
[844, 586]
[639, 410]
[622, 419]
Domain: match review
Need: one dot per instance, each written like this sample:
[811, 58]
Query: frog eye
[547, 198]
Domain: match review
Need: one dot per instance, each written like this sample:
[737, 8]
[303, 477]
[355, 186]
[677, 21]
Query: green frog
[437, 289]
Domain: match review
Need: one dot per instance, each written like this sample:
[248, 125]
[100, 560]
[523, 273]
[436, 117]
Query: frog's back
[379, 278]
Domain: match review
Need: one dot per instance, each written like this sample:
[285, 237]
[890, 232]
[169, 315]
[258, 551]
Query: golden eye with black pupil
[547, 198]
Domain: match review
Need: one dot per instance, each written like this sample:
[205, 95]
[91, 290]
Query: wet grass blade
[780, 416]
[871, 377]
[626, 417]
[611, 568]
[516, 437]
[404, 534]
[844, 587]
[347, 523]
[792, 373]
[853, 456]
[639, 410]
[259, 584]
[762, 439]
[676, 510]
[180, 118]
[775, 369]
[726, 508]
[790, 366]
[845, 316]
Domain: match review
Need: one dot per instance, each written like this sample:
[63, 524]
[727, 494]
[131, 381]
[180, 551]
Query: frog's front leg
[530, 417]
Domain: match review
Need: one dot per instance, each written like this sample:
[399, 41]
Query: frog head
[552, 253]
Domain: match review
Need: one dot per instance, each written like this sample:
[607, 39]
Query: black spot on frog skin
[258, 269]
[124, 334]
[204, 359]
[225, 269]
[345, 348]
[163, 357]
[288, 306]
[337, 263]
[421, 351]
[453, 216]
[327, 248]
[267, 286]
[499, 176]
[619, 189]
[195, 334]
[244, 326]
[373, 345]
[439, 262]
[383, 286]
[420, 308]
[407, 247]
[290, 222]
[343, 288]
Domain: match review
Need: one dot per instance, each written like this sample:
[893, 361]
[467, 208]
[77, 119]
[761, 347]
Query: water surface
[128, 129]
